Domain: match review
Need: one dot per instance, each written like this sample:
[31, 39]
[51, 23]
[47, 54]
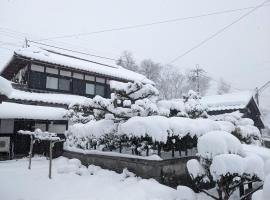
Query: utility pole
[258, 91]
[26, 43]
[196, 73]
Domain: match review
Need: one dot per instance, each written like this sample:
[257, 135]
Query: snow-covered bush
[223, 162]
[190, 106]
[243, 128]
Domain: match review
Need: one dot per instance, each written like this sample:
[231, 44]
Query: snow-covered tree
[127, 100]
[127, 61]
[223, 87]
[223, 163]
[150, 69]
[193, 106]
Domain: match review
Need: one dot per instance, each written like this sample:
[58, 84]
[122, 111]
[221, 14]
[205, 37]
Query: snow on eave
[22, 111]
[92, 66]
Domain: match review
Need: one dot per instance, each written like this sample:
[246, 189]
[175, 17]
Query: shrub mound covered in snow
[218, 142]
[224, 163]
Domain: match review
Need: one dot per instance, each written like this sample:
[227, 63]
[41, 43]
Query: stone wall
[171, 172]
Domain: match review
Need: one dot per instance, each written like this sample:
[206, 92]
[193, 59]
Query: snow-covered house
[243, 101]
[39, 84]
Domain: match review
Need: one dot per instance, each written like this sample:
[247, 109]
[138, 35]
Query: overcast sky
[241, 54]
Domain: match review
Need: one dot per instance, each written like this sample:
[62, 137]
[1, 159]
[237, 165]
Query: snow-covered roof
[5, 87]
[22, 111]
[94, 65]
[65, 99]
[229, 101]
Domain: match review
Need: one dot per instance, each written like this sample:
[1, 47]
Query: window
[89, 78]
[100, 90]
[77, 75]
[65, 73]
[37, 68]
[90, 88]
[57, 128]
[40, 126]
[52, 83]
[100, 80]
[37, 80]
[64, 84]
[51, 70]
[78, 86]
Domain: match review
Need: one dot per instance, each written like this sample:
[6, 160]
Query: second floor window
[52, 82]
[64, 84]
[90, 88]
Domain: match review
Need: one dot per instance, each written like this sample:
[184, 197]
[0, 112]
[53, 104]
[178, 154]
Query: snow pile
[95, 183]
[185, 193]
[228, 164]
[218, 142]
[5, 87]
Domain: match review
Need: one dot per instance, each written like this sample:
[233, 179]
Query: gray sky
[241, 54]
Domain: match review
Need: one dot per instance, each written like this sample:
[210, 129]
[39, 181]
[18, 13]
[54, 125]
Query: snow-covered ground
[72, 181]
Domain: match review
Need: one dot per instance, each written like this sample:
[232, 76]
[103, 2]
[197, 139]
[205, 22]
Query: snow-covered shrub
[193, 106]
[243, 128]
[224, 163]
[190, 106]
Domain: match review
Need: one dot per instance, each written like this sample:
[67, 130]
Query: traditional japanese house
[44, 83]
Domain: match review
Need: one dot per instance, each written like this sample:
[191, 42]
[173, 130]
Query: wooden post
[50, 165]
[159, 149]
[173, 150]
[241, 190]
[31, 151]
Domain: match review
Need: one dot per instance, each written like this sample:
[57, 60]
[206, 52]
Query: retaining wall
[171, 172]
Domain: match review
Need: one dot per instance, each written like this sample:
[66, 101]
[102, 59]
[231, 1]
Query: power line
[149, 24]
[217, 33]
[66, 49]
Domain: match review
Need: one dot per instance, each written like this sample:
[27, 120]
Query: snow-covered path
[19, 183]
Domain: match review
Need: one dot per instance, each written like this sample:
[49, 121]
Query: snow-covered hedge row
[142, 132]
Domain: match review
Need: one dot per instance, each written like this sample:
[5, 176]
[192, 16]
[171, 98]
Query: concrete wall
[170, 172]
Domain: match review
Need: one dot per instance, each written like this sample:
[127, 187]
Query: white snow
[73, 181]
[237, 100]
[158, 127]
[22, 111]
[95, 65]
[225, 164]
[5, 87]
[65, 99]
[195, 169]
[108, 153]
[40, 135]
[263, 152]
[218, 142]
[263, 194]
[93, 128]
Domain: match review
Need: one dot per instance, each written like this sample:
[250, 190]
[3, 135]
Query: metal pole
[31, 151]
[50, 165]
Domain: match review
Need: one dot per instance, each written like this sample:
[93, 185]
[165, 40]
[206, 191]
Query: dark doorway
[22, 142]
